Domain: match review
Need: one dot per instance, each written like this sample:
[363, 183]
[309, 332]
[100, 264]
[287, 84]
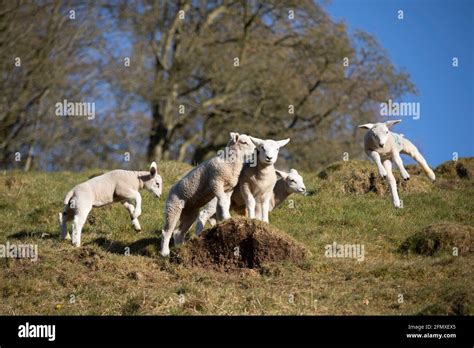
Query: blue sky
[424, 44]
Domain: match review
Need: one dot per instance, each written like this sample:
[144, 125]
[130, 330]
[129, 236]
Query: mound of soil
[240, 243]
[463, 168]
[438, 238]
[459, 301]
[361, 177]
[90, 258]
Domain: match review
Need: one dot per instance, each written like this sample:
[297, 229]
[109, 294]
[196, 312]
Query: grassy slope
[104, 281]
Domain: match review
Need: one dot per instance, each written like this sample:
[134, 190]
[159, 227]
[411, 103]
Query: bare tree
[269, 68]
[171, 78]
[47, 52]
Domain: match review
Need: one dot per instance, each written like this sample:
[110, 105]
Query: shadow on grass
[24, 234]
[146, 247]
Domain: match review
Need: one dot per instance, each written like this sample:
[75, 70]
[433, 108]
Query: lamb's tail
[68, 197]
[63, 216]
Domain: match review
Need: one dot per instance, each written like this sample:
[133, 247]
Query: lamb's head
[379, 131]
[153, 181]
[268, 149]
[241, 144]
[293, 180]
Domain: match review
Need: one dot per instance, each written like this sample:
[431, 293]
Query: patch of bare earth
[240, 243]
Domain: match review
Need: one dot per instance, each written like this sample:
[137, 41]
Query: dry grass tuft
[438, 238]
[361, 177]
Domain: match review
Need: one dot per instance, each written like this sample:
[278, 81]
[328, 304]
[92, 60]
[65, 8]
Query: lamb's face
[242, 143]
[154, 185]
[294, 182]
[379, 133]
[153, 182]
[268, 149]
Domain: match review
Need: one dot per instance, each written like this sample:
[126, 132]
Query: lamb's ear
[280, 174]
[366, 126]
[294, 171]
[234, 136]
[392, 123]
[153, 169]
[256, 141]
[282, 143]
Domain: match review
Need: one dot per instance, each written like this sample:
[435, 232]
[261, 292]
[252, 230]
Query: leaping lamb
[380, 144]
[216, 177]
[114, 186]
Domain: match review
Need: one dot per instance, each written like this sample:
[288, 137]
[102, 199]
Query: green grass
[99, 279]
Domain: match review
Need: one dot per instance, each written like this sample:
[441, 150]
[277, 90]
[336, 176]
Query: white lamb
[287, 184]
[256, 183]
[216, 177]
[382, 145]
[114, 186]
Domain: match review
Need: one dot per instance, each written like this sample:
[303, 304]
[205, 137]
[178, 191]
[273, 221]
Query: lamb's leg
[249, 200]
[205, 214]
[172, 216]
[398, 161]
[138, 205]
[258, 211]
[413, 152]
[131, 210]
[187, 219]
[223, 204]
[63, 217]
[266, 206]
[392, 183]
[376, 158]
[80, 218]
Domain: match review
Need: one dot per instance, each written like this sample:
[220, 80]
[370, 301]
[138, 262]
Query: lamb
[256, 183]
[216, 177]
[381, 144]
[114, 186]
[287, 184]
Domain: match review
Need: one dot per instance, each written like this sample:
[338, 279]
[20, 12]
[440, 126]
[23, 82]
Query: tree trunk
[201, 152]
[158, 146]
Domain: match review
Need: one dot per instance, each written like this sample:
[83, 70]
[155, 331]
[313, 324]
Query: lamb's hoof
[136, 225]
[68, 237]
[165, 253]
